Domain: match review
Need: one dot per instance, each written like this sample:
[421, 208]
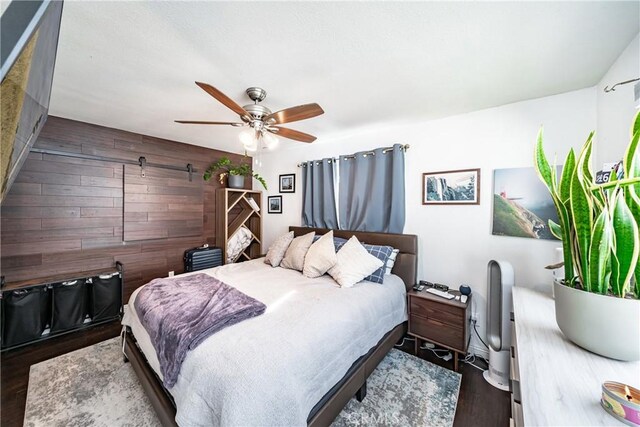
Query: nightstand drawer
[441, 312]
[439, 332]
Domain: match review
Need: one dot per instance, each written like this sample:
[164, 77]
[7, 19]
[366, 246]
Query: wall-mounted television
[29, 33]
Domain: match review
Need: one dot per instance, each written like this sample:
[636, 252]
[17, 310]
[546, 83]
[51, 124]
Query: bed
[302, 361]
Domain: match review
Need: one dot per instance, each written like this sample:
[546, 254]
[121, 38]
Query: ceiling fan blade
[196, 122]
[292, 134]
[224, 99]
[294, 114]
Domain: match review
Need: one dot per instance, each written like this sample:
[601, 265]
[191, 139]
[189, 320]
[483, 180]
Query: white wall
[616, 109]
[455, 242]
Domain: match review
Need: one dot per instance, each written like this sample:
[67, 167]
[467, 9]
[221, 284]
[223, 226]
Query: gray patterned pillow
[276, 251]
[391, 262]
[383, 253]
[353, 264]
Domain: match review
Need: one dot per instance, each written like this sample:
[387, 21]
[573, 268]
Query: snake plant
[598, 224]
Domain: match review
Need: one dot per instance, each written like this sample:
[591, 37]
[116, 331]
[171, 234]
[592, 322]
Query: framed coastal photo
[522, 205]
[288, 183]
[274, 204]
[455, 187]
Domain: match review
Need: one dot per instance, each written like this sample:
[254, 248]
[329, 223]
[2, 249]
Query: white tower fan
[500, 280]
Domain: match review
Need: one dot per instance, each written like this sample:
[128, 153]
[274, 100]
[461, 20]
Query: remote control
[463, 299]
[418, 288]
[446, 295]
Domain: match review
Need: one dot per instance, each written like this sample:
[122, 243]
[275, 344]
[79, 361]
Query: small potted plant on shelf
[234, 173]
[598, 302]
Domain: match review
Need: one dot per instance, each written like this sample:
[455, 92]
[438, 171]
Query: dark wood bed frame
[354, 383]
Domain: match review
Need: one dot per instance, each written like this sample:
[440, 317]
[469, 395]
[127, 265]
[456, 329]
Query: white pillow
[278, 249]
[237, 243]
[391, 262]
[297, 250]
[320, 257]
[353, 264]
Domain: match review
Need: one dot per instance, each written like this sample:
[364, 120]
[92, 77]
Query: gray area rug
[94, 387]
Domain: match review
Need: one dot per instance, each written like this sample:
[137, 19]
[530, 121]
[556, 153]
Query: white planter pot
[602, 324]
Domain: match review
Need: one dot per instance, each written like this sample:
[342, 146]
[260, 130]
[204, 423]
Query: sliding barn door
[161, 204]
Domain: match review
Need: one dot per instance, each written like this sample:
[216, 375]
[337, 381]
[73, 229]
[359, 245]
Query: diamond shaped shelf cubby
[237, 208]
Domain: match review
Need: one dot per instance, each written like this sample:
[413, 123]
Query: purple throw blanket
[181, 312]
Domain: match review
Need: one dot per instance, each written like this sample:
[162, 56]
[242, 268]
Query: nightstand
[440, 321]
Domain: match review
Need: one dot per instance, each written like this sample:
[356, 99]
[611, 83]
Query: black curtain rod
[405, 147]
[141, 161]
[608, 89]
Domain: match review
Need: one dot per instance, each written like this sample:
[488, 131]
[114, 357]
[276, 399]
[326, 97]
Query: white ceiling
[132, 65]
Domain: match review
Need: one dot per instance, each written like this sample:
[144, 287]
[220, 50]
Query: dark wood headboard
[406, 265]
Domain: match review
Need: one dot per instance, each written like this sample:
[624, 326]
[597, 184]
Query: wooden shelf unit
[232, 212]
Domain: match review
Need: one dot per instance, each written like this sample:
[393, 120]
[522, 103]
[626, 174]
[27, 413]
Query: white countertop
[560, 383]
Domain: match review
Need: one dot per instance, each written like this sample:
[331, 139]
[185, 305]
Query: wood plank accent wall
[66, 215]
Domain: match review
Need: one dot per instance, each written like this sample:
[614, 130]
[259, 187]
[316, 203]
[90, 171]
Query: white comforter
[274, 368]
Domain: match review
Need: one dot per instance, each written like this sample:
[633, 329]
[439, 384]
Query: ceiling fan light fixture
[252, 147]
[270, 140]
[248, 138]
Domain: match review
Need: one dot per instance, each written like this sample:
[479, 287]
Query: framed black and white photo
[456, 187]
[274, 204]
[288, 183]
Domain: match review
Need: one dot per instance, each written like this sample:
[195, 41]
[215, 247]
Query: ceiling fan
[262, 123]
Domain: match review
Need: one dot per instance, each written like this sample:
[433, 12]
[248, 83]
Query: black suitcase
[203, 257]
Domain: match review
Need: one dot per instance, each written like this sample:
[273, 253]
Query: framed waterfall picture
[455, 187]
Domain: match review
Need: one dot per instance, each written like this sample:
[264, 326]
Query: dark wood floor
[15, 366]
[479, 404]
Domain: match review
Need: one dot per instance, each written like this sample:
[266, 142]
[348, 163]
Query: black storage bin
[69, 305]
[106, 297]
[25, 315]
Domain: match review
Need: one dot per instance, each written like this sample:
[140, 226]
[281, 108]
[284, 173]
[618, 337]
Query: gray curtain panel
[318, 194]
[371, 191]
